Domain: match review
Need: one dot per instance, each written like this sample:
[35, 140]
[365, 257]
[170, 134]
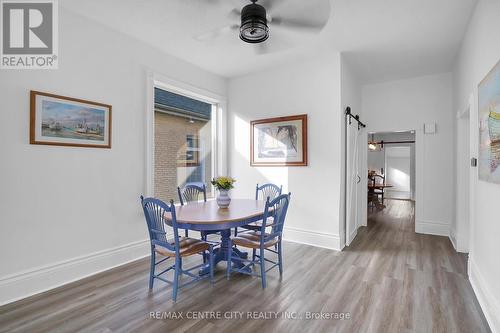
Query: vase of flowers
[223, 185]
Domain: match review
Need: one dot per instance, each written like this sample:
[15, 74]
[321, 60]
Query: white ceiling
[383, 39]
[394, 39]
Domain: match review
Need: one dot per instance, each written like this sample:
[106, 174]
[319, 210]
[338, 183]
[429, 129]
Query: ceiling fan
[260, 19]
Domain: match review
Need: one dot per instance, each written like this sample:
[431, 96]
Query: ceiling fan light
[254, 32]
[253, 28]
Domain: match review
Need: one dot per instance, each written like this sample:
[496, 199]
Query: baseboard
[31, 282]
[24, 284]
[453, 241]
[488, 303]
[432, 228]
[353, 235]
[397, 195]
[313, 238]
[399, 199]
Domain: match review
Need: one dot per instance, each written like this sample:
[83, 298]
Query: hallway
[414, 282]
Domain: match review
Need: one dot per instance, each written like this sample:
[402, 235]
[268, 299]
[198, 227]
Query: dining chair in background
[190, 193]
[262, 241]
[379, 180]
[267, 190]
[262, 192]
[177, 248]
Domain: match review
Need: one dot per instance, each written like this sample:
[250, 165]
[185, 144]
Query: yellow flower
[223, 183]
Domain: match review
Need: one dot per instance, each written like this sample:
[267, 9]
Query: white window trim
[219, 126]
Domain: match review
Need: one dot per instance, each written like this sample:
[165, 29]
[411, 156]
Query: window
[191, 156]
[184, 135]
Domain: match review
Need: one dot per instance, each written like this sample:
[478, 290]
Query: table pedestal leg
[220, 254]
[240, 253]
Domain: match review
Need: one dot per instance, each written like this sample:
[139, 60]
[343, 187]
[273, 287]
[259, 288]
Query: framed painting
[279, 141]
[65, 121]
[489, 126]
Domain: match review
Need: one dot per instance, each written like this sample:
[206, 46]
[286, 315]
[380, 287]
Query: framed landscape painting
[489, 126]
[65, 121]
[279, 141]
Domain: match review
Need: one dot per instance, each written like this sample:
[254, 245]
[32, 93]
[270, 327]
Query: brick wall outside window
[170, 145]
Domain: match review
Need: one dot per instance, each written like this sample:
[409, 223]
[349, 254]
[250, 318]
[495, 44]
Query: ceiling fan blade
[207, 1]
[271, 4]
[207, 36]
[296, 24]
[235, 14]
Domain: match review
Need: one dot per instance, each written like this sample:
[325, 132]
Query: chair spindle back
[154, 211]
[267, 191]
[191, 193]
[276, 209]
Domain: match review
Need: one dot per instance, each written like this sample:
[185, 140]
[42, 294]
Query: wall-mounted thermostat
[429, 128]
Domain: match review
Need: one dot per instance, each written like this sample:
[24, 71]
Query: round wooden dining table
[207, 216]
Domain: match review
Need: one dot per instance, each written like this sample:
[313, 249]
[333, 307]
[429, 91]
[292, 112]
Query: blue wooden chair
[262, 192]
[262, 241]
[267, 190]
[189, 193]
[192, 192]
[177, 248]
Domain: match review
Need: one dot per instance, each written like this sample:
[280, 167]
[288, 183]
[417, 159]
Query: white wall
[376, 160]
[406, 105]
[479, 53]
[398, 172]
[311, 87]
[69, 212]
[402, 136]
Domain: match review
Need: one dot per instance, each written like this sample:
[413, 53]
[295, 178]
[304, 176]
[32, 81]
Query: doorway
[391, 168]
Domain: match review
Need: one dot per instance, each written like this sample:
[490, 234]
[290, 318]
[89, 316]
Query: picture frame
[489, 126]
[280, 141]
[66, 121]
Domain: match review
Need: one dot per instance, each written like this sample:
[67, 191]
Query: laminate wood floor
[389, 280]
